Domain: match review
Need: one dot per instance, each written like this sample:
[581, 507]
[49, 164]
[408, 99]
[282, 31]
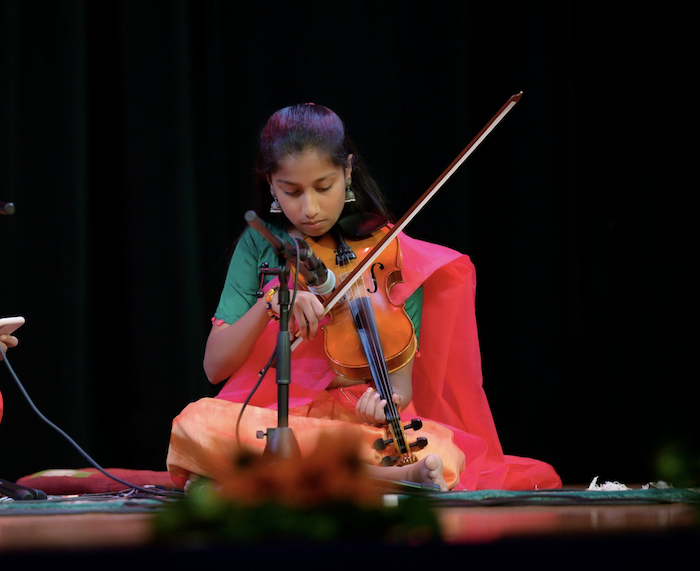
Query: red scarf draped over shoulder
[447, 375]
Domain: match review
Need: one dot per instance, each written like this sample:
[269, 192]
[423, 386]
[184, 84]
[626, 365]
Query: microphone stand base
[281, 443]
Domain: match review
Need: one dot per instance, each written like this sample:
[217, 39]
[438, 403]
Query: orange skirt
[203, 439]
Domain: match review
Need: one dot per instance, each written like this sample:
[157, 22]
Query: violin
[352, 340]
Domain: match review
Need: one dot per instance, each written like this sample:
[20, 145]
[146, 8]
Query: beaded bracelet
[268, 303]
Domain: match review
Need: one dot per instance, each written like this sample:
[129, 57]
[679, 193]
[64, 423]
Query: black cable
[85, 455]
[163, 493]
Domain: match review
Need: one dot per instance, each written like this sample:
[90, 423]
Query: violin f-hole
[374, 279]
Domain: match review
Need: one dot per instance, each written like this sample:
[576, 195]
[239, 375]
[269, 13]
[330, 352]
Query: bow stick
[416, 208]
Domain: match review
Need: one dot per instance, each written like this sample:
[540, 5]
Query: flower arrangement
[327, 496]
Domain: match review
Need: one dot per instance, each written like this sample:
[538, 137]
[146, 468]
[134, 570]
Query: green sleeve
[414, 309]
[243, 278]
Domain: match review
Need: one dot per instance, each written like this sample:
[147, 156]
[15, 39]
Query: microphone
[17, 492]
[7, 208]
[319, 279]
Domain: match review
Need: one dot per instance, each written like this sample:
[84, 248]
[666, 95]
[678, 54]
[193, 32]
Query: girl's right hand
[307, 312]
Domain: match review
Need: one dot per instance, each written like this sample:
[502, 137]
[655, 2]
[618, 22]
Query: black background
[127, 136]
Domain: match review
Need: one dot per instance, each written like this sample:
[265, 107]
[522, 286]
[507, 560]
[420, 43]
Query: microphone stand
[281, 442]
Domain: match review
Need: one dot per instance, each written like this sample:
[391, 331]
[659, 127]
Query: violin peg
[416, 424]
[388, 461]
[419, 444]
[380, 444]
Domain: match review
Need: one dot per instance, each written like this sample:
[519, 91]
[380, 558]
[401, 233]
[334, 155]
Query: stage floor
[633, 531]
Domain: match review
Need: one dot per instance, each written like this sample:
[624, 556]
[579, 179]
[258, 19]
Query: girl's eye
[296, 191]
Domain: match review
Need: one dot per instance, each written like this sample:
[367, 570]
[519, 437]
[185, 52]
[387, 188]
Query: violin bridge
[340, 279]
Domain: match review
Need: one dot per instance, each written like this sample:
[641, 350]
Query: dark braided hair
[299, 128]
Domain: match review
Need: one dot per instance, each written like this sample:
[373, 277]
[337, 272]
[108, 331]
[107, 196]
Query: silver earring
[349, 194]
[275, 207]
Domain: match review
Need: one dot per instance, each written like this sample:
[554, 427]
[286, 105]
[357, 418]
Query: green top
[243, 277]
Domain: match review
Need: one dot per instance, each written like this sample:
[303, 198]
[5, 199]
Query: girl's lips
[313, 225]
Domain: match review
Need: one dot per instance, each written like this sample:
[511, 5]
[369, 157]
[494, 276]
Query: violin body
[369, 336]
[342, 341]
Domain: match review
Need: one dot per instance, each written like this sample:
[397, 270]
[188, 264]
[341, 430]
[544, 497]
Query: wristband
[268, 303]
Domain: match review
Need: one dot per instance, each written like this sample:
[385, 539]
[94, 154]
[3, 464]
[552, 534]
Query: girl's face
[311, 191]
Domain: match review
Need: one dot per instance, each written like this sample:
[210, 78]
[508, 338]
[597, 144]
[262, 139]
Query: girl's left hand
[370, 407]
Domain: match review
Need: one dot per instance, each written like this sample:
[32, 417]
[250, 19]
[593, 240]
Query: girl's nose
[310, 204]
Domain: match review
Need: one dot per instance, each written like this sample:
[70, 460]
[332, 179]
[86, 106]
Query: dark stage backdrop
[126, 143]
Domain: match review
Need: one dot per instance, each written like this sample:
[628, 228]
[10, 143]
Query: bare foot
[426, 471]
[189, 484]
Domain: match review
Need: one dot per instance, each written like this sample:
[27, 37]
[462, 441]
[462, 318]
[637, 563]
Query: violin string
[383, 382]
[382, 379]
[356, 296]
[376, 351]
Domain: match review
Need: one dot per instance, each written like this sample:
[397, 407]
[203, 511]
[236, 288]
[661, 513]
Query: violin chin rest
[362, 224]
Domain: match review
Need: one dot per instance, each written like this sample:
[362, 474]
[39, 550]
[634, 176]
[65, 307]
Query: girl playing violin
[308, 176]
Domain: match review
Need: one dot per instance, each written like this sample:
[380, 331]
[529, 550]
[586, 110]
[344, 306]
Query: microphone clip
[319, 279]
